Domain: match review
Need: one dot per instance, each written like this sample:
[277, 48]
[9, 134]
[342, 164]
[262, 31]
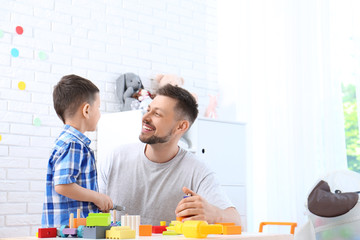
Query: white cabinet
[220, 144]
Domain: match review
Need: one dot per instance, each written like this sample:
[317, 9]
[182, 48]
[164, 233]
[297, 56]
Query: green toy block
[98, 219]
[170, 233]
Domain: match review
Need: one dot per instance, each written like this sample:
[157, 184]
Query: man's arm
[197, 208]
[78, 193]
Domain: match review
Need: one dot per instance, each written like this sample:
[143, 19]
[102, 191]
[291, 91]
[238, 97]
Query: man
[151, 178]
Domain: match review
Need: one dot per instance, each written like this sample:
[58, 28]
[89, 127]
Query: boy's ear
[85, 110]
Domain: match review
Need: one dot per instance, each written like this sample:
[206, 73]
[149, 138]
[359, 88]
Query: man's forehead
[163, 103]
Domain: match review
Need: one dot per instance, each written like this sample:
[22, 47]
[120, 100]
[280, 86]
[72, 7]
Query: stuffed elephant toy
[126, 85]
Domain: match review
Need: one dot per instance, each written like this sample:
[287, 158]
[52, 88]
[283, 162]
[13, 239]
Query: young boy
[71, 180]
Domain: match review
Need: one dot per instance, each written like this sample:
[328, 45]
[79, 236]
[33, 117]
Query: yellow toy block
[173, 223]
[162, 223]
[123, 232]
[196, 229]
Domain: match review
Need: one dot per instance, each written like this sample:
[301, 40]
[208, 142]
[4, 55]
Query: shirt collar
[76, 133]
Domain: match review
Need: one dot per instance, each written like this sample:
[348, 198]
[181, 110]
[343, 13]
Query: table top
[243, 236]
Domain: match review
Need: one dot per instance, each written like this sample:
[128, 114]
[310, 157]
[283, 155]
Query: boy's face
[94, 113]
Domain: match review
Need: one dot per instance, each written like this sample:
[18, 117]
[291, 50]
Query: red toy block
[158, 229]
[231, 229]
[47, 232]
[145, 230]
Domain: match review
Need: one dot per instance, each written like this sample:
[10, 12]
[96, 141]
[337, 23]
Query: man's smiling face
[159, 121]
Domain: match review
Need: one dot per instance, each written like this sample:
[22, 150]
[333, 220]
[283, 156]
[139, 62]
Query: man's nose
[146, 117]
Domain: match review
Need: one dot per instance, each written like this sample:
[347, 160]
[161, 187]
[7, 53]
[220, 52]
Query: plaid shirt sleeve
[68, 165]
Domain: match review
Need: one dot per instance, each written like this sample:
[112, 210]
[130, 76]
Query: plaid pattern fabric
[71, 161]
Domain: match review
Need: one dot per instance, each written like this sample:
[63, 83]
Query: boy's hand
[104, 202]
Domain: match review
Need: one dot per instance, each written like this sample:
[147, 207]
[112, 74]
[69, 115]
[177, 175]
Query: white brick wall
[98, 40]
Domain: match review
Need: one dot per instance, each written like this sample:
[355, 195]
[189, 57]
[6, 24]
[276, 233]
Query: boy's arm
[76, 192]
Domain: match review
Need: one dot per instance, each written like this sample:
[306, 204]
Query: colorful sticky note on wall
[37, 122]
[21, 85]
[19, 30]
[14, 52]
[0, 138]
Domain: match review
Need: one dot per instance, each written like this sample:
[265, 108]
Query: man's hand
[196, 207]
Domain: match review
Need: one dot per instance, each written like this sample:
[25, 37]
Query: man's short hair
[186, 106]
[70, 92]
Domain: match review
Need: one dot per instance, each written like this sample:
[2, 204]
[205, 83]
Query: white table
[243, 236]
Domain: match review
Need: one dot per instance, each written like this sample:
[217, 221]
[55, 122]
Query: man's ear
[85, 110]
[183, 126]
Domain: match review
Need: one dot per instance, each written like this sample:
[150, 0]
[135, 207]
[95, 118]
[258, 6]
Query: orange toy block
[227, 224]
[231, 229]
[145, 230]
[79, 222]
[292, 224]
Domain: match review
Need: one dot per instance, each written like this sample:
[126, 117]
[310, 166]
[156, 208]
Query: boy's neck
[78, 125]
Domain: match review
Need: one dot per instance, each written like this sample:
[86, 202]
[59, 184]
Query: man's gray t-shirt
[153, 190]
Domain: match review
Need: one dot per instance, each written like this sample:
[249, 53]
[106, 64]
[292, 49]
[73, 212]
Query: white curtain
[293, 104]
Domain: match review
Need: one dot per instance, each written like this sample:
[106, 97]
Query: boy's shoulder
[68, 137]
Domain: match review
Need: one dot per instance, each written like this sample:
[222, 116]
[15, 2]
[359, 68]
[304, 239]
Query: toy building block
[170, 233]
[197, 229]
[145, 230]
[47, 232]
[123, 232]
[78, 221]
[133, 221]
[292, 224]
[227, 224]
[162, 223]
[158, 229]
[95, 232]
[179, 219]
[69, 232]
[173, 223]
[98, 219]
[231, 229]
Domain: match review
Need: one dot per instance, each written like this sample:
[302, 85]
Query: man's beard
[155, 139]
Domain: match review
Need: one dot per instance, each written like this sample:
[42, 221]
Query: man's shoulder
[193, 160]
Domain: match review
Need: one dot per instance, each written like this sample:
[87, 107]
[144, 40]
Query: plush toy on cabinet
[126, 85]
[142, 98]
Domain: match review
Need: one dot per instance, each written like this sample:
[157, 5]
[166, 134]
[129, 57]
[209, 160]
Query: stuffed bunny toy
[126, 85]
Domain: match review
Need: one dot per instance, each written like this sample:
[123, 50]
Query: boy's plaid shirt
[72, 161]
